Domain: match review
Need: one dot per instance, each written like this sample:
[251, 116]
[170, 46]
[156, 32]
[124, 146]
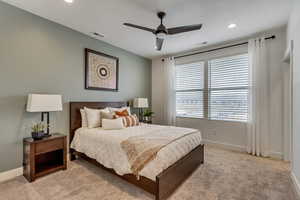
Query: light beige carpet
[226, 175]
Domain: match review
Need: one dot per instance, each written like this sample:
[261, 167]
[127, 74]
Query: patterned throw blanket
[142, 149]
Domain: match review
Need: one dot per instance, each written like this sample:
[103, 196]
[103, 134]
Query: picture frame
[101, 71]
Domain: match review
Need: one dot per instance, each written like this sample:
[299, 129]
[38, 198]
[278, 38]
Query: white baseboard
[276, 155]
[4, 176]
[226, 145]
[296, 185]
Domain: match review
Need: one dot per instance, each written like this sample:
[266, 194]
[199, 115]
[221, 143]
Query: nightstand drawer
[53, 145]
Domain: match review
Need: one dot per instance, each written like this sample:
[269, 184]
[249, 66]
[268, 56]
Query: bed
[160, 177]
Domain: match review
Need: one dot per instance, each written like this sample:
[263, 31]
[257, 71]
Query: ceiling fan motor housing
[161, 29]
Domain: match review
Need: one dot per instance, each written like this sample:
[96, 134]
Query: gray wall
[39, 56]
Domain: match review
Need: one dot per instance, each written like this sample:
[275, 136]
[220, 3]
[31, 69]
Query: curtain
[169, 94]
[258, 127]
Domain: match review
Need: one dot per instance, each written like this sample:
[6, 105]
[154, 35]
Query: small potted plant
[38, 131]
[148, 115]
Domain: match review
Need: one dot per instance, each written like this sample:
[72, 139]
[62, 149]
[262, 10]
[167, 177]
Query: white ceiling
[107, 16]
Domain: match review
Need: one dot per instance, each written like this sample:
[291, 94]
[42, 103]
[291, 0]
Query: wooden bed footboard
[171, 178]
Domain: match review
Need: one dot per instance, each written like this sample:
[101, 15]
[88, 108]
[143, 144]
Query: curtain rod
[225, 47]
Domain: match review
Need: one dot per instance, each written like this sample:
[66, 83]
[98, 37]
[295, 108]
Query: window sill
[213, 120]
[189, 117]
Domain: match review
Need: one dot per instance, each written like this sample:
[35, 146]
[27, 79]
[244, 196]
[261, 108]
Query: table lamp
[44, 103]
[140, 103]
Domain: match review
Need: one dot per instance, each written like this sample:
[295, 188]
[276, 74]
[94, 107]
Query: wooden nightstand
[147, 121]
[44, 156]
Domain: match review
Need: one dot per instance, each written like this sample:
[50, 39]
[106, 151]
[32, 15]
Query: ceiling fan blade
[182, 29]
[140, 27]
[159, 43]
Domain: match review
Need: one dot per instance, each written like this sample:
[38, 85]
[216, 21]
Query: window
[228, 88]
[214, 89]
[189, 90]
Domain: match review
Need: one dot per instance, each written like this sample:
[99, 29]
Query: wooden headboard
[75, 117]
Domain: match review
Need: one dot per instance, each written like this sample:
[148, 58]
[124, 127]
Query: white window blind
[228, 80]
[189, 90]
[214, 89]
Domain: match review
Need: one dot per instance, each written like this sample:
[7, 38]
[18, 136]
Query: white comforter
[104, 146]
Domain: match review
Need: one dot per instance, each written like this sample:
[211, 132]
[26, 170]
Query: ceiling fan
[161, 32]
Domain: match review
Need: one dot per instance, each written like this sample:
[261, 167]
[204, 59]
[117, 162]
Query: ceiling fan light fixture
[161, 35]
[69, 1]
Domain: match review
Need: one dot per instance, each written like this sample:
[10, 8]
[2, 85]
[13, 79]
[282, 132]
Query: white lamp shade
[140, 103]
[44, 103]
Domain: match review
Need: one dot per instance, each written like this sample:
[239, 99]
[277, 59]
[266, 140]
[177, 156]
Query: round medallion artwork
[103, 72]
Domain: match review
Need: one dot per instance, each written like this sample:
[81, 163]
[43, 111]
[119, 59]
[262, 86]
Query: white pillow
[112, 124]
[113, 110]
[94, 117]
[84, 122]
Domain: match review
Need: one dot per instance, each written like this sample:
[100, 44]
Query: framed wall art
[101, 71]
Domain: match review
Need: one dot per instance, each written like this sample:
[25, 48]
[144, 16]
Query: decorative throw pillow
[107, 115]
[131, 120]
[94, 117]
[83, 118]
[112, 124]
[122, 113]
[113, 110]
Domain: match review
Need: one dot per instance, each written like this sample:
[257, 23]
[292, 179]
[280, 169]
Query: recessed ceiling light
[232, 26]
[69, 1]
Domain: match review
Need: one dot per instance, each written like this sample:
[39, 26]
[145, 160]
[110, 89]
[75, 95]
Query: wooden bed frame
[166, 182]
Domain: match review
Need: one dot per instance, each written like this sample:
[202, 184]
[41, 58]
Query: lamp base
[48, 121]
[140, 114]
